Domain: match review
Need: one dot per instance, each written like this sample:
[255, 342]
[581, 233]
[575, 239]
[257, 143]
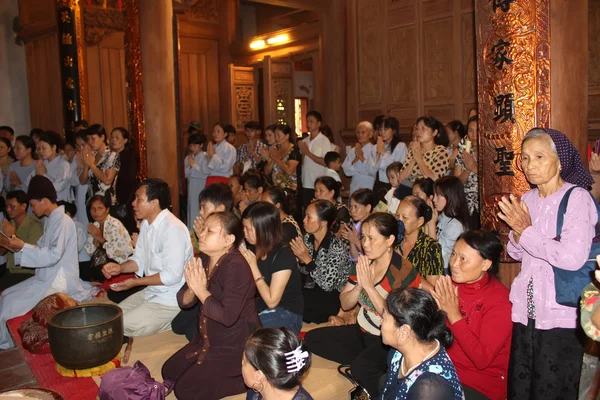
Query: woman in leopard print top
[324, 257]
[428, 157]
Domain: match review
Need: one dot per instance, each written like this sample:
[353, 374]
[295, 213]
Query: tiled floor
[14, 371]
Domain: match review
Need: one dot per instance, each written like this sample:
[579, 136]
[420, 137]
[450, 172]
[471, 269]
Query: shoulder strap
[562, 209]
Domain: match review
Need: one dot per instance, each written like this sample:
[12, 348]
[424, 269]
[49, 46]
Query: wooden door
[244, 98]
[278, 92]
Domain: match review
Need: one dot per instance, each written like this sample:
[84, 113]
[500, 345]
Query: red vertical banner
[513, 64]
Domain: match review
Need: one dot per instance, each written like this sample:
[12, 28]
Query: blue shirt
[397, 388]
[362, 172]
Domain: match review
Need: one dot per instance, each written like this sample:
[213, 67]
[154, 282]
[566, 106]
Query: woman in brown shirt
[209, 367]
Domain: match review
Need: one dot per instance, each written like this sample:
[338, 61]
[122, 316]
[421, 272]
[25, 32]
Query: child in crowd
[333, 160]
[450, 214]
[82, 238]
[196, 175]
[423, 188]
[213, 198]
[392, 172]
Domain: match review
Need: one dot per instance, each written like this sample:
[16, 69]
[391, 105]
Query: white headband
[295, 360]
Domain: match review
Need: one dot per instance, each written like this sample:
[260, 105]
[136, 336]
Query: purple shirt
[537, 252]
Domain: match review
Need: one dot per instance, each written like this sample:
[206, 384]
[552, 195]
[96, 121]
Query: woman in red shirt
[479, 314]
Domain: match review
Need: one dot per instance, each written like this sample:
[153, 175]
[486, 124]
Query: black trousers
[349, 345]
[319, 305]
[544, 364]
[186, 322]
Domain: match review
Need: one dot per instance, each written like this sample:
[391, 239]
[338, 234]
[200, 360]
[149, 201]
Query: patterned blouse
[426, 255]
[330, 266]
[118, 243]
[436, 159]
[400, 274]
[472, 184]
[109, 160]
[422, 383]
[282, 179]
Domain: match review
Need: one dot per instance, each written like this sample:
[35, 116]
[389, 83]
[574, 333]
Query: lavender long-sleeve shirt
[538, 252]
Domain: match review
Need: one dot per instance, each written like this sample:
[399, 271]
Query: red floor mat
[43, 368]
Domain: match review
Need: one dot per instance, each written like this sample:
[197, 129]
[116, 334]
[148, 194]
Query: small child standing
[195, 175]
[333, 160]
[393, 175]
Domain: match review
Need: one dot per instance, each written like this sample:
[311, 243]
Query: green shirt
[30, 232]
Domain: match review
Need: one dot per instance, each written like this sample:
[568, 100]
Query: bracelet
[259, 278]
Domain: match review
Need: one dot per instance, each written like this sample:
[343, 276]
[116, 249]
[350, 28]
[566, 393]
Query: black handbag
[97, 261]
[357, 392]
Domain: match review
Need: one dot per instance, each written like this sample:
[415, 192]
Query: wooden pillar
[158, 79]
[526, 79]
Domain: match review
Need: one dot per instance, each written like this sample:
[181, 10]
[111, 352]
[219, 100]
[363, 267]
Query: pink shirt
[538, 252]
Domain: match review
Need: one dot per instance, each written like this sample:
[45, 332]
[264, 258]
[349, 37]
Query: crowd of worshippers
[399, 277]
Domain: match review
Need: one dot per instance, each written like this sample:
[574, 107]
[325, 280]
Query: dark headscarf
[572, 168]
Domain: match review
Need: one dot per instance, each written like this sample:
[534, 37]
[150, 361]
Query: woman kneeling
[209, 367]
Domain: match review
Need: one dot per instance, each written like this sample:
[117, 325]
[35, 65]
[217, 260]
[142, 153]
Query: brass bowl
[86, 336]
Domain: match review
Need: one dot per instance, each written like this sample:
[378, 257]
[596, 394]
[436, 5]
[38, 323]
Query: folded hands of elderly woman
[515, 213]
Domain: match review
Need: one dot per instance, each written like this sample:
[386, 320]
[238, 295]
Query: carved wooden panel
[467, 5]
[281, 69]
[401, 16]
[393, 4]
[469, 63]
[444, 113]
[106, 82]
[402, 55]
[433, 8]
[370, 55]
[438, 52]
[244, 105]
[37, 12]
[283, 92]
[199, 82]
[406, 117]
[44, 85]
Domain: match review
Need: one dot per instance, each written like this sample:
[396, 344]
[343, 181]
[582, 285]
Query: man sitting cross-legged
[162, 251]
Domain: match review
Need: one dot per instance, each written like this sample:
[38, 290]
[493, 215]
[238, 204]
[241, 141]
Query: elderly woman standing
[542, 327]
[360, 163]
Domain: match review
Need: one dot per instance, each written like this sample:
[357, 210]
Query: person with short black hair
[8, 133]
[80, 189]
[419, 367]
[324, 258]
[362, 203]
[424, 252]
[209, 367]
[121, 143]
[54, 258]
[6, 160]
[52, 165]
[105, 235]
[19, 171]
[283, 161]
[285, 202]
[35, 134]
[423, 188]
[26, 227]
[196, 176]
[456, 131]
[327, 188]
[333, 162]
[274, 268]
[101, 166]
[274, 362]
[80, 125]
[220, 154]
[163, 248]
[478, 314]
[376, 273]
[313, 148]
[428, 157]
[389, 149]
[249, 154]
[467, 168]
[254, 184]
[231, 133]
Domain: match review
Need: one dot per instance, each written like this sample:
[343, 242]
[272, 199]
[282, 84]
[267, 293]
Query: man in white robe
[54, 259]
